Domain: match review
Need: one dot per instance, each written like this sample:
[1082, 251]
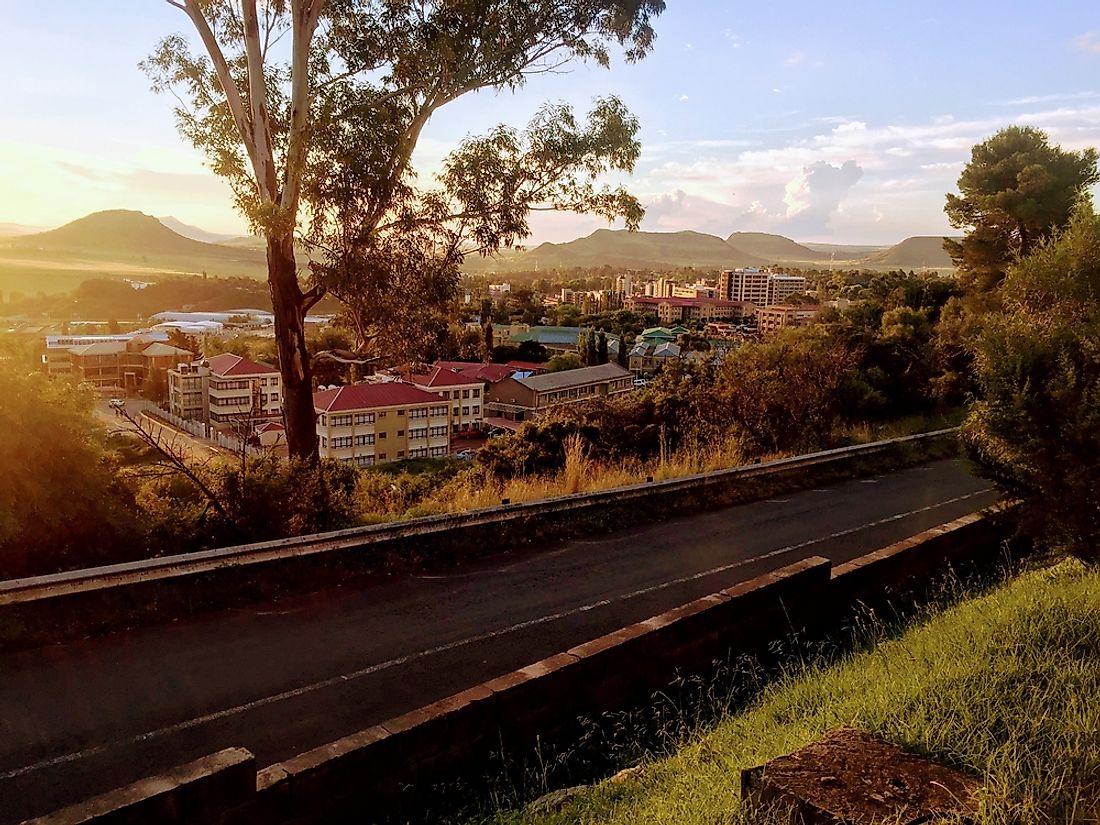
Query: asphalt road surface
[80, 719]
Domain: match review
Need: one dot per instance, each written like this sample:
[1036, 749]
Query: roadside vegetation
[1001, 685]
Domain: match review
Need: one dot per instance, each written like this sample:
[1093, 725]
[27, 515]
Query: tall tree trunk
[290, 336]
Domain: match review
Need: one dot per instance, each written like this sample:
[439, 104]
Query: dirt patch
[851, 778]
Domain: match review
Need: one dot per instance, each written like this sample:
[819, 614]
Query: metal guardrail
[32, 589]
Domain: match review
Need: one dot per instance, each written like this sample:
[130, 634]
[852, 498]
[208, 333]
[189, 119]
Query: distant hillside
[640, 250]
[919, 252]
[846, 251]
[10, 230]
[193, 232]
[119, 231]
[120, 243]
[773, 248]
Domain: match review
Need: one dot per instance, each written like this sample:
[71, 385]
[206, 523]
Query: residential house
[376, 423]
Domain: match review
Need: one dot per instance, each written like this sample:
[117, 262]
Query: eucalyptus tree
[312, 109]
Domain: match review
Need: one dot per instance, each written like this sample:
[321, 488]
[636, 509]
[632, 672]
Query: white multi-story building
[758, 287]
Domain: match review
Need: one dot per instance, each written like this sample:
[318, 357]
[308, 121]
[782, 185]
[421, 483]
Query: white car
[118, 403]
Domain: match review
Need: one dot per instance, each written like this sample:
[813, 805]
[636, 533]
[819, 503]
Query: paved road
[85, 717]
[196, 449]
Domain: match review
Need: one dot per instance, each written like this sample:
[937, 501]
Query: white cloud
[1088, 42]
[683, 98]
[796, 59]
[1053, 98]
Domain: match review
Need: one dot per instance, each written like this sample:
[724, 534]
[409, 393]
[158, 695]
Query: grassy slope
[1004, 685]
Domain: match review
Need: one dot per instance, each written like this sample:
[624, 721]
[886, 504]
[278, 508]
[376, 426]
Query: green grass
[1005, 685]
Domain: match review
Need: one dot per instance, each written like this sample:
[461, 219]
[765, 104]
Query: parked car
[466, 455]
[118, 403]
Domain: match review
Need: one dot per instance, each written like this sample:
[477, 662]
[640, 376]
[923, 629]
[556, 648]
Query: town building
[521, 399]
[770, 320]
[555, 339]
[647, 359]
[463, 394]
[124, 366]
[376, 423]
[758, 287]
[676, 310]
[189, 392]
[56, 356]
[241, 390]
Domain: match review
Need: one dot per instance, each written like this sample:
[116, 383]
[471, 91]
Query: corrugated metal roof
[574, 378]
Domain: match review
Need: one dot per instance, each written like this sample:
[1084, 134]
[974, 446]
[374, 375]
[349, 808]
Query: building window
[324, 441]
[437, 431]
[422, 432]
[341, 421]
[477, 409]
[477, 393]
[438, 452]
[382, 435]
[341, 442]
[421, 452]
[465, 393]
[400, 433]
[456, 410]
[364, 460]
[465, 410]
[400, 412]
[382, 414]
[363, 440]
[324, 420]
[400, 453]
[364, 418]
[381, 456]
[437, 411]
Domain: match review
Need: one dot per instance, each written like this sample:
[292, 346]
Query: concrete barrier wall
[76, 604]
[200, 791]
[376, 772]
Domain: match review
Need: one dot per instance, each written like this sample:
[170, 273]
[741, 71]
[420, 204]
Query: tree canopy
[311, 109]
[1015, 193]
[1036, 428]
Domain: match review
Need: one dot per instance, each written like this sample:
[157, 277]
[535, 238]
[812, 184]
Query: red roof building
[376, 423]
[463, 393]
[229, 364]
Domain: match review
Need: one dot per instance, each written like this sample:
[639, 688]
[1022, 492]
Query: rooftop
[371, 396]
[229, 364]
[442, 377]
[574, 378]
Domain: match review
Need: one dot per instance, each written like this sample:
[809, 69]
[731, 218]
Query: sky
[842, 122]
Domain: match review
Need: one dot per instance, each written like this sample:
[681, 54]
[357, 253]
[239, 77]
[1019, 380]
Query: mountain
[121, 243]
[121, 232]
[637, 250]
[846, 251]
[193, 232]
[11, 230]
[773, 248]
[918, 252]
